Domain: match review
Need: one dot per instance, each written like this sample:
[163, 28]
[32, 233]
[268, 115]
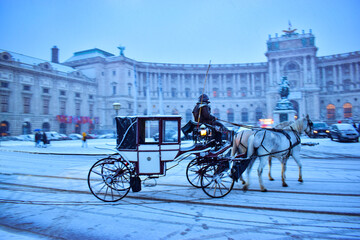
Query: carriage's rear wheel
[194, 171]
[216, 180]
[109, 179]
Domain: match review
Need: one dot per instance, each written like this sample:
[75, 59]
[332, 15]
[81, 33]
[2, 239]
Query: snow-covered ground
[46, 196]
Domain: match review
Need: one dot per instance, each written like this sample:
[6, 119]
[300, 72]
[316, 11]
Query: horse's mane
[298, 125]
[283, 125]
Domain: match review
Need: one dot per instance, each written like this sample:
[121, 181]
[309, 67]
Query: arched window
[244, 115]
[292, 66]
[347, 110]
[188, 115]
[78, 128]
[216, 113]
[46, 127]
[62, 128]
[230, 115]
[330, 112]
[4, 128]
[26, 128]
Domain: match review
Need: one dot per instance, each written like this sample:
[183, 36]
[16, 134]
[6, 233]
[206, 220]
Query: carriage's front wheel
[194, 171]
[216, 180]
[109, 179]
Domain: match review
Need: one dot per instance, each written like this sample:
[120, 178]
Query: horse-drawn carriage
[146, 144]
[141, 156]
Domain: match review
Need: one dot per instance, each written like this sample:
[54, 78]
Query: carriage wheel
[194, 171]
[216, 181]
[109, 179]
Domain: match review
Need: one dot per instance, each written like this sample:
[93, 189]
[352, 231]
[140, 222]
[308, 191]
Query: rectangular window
[4, 84]
[91, 110]
[114, 90]
[149, 131]
[26, 87]
[4, 103]
[62, 93]
[45, 90]
[114, 73]
[77, 95]
[170, 132]
[91, 96]
[62, 107]
[26, 104]
[46, 106]
[77, 109]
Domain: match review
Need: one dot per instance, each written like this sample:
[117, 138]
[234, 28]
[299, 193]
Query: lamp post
[117, 107]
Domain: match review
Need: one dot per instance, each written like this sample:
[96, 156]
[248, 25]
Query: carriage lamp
[117, 107]
[203, 131]
[327, 131]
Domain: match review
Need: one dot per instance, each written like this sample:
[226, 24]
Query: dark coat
[205, 114]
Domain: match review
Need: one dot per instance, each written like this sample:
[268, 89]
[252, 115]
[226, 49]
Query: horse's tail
[251, 148]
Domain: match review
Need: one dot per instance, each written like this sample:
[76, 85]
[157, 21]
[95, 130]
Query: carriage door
[149, 155]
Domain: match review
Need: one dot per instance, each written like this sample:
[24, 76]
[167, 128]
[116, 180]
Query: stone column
[235, 85]
[341, 88]
[335, 80]
[323, 82]
[222, 85]
[248, 83]
[305, 72]
[263, 84]
[313, 70]
[357, 80]
[271, 78]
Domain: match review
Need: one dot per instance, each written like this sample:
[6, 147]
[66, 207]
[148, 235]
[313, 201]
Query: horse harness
[292, 145]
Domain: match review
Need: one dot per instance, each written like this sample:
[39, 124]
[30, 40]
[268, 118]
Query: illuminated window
[229, 92]
[330, 112]
[347, 110]
[46, 106]
[215, 92]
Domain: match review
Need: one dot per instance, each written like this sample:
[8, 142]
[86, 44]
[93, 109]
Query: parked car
[320, 129]
[343, 132]
[64, 137]
[75, 136]
[27, 137]
[53, 136]
[109, 135]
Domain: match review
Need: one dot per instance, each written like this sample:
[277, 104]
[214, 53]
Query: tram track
[183, 185]
[159, 199]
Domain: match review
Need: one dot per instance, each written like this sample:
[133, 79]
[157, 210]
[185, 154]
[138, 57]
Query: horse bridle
[309, 125]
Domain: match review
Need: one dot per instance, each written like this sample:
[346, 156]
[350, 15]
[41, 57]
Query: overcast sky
[175, 31]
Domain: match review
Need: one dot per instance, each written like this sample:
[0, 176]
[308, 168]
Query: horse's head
[308, 125]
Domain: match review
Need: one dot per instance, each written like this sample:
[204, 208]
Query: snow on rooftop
[36, 61]
[91, 53]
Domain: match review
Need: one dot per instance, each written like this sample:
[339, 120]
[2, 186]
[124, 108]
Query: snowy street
[46, 196]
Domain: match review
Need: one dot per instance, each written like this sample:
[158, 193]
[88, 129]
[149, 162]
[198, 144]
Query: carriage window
[150, 132]
[170, 131]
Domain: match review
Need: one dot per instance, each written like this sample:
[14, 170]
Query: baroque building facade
[327, 88]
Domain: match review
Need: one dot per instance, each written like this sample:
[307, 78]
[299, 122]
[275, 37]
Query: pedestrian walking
[84, 142]
[44, 140]
[37, 139]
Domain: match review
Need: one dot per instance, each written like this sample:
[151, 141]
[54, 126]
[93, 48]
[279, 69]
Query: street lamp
[117, 107]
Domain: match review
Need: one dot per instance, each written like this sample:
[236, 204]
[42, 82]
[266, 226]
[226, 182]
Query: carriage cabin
[149, 141]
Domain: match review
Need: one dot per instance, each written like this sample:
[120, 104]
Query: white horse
[280, 144]
[240, 143]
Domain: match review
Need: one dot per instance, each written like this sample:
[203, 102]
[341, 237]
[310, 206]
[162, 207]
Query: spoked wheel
[109, 179]
[194, 171]
[216, 181]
